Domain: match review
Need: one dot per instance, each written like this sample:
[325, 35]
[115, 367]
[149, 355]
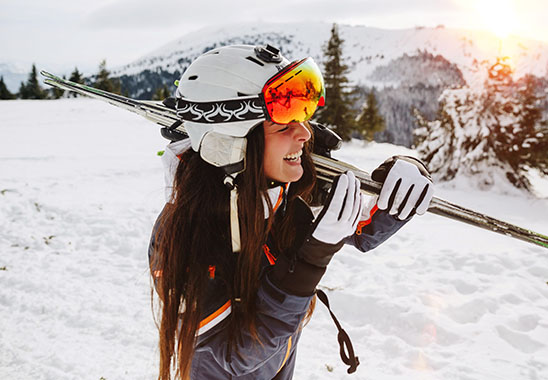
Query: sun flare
[498, 16]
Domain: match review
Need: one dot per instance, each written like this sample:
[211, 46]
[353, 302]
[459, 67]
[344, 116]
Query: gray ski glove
[407, 186]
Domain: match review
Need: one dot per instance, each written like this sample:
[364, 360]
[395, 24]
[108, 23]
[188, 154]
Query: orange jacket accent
[364, 223]
[211, 317]
[269, 255]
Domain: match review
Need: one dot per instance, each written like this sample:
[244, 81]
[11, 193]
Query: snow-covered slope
[366, 48]
[81, 185]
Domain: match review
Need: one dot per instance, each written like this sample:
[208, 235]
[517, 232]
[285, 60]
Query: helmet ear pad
[226, 152]
[197, 131]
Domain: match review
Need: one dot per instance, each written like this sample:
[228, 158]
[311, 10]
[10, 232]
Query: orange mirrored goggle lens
[293, 94]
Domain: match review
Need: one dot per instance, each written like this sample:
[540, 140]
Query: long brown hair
[194, 233]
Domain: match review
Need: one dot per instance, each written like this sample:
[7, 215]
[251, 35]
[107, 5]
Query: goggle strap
[218, 112]
[263, 104]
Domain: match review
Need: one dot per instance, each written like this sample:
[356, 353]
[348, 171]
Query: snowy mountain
[366, 48]
[407, 68]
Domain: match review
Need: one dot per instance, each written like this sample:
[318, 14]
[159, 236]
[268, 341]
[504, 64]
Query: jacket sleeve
[278, 320]
[376, 230]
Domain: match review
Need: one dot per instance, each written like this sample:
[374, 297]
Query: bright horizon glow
[61, 34]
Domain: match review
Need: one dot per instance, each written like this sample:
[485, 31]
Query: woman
[237, 253]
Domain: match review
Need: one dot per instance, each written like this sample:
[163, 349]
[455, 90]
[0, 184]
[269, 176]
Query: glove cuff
[380, 173]
[296, 277]
[318, 253]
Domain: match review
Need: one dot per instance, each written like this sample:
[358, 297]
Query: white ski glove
[407, 186]
[340, 214]
[170, 162]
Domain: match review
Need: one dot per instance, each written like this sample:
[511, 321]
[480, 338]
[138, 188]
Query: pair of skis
[327, 168]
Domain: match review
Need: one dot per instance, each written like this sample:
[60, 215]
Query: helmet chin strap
[228, 153]
[234, 220]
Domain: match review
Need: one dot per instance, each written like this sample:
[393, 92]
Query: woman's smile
[283, 150]
[294, 157]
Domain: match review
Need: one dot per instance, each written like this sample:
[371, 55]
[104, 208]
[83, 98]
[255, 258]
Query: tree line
[500, 128]
[338, 113]
[31, 89]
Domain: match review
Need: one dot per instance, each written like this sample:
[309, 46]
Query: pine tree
[498, 132]
[104, 82]
[161, 93]
[436, 140]
[5, 94]
[22, 93]
[370, 120]
[76, 77]
[336, 113]
[32, 89]
[56, 92]
[527, 143]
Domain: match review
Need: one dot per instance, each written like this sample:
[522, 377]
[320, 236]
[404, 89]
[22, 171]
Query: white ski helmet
[222, 74]
[228, 91]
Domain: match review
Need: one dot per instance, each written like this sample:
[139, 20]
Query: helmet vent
[193, 77]
[255, 61]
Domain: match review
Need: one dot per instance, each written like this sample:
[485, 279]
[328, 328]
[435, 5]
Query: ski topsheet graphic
[327, 168]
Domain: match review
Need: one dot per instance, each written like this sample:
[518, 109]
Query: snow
[81, 185]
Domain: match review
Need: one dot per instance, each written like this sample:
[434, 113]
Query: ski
[151, 110]
[327, 168]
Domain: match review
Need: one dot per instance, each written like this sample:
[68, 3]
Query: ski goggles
[293, 94]
[290, 96]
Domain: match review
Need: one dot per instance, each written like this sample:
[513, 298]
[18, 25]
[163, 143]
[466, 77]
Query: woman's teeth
[293, 156]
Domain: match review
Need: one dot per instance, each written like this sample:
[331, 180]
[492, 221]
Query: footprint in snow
[525, 323]
[521, 342]
[464, 287]
[471, 312]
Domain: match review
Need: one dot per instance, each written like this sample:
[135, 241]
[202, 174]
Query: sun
[498, 16]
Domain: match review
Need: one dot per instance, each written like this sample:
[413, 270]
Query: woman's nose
[301, 132]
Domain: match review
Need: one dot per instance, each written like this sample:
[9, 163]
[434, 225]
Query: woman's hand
[340, 214]
[337, 220]
[407, 186]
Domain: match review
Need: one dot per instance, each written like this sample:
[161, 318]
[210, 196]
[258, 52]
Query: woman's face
[283, 149]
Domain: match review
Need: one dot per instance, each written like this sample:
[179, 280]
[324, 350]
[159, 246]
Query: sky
[62, 34]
